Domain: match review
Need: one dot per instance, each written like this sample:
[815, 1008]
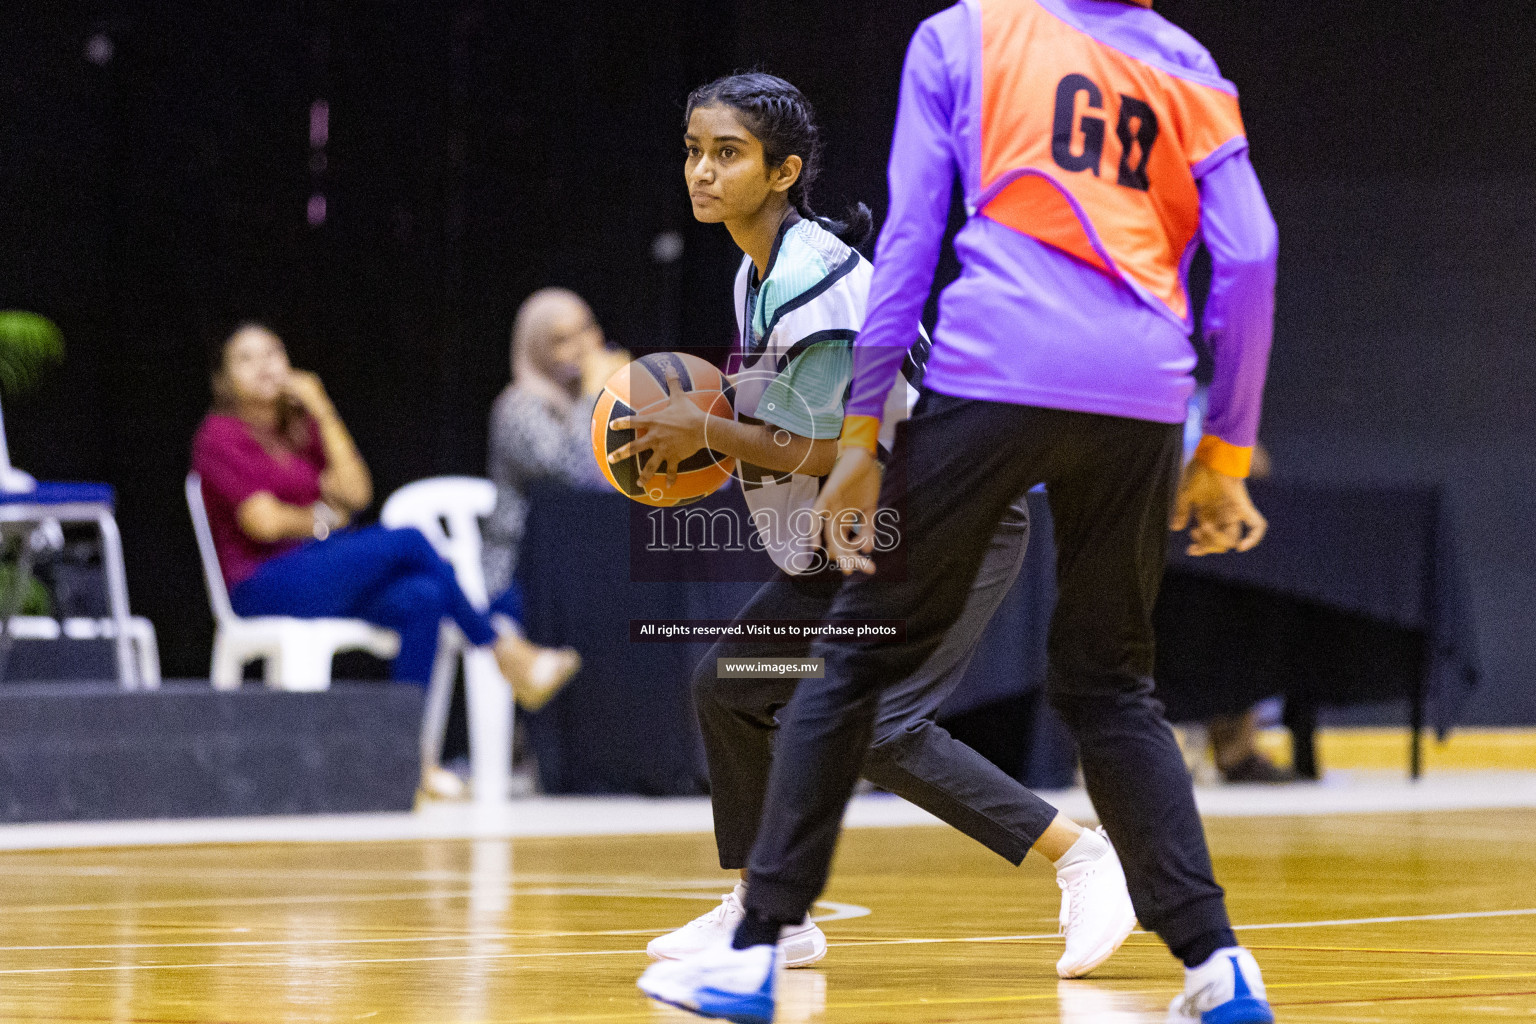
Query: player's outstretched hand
[1225, 517]
[846, 506]
[670, 434]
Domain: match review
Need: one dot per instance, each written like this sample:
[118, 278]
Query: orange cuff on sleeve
[860, 432]
[1223, 457]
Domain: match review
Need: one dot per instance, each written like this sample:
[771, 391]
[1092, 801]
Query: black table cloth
[1355, 595]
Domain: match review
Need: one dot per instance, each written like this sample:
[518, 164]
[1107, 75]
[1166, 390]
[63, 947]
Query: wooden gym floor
[1402, 918]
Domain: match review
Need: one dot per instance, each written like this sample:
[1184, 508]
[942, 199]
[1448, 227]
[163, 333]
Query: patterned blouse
[531, 440]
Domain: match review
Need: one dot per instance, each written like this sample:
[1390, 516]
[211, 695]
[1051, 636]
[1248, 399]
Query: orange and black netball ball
[641, 387]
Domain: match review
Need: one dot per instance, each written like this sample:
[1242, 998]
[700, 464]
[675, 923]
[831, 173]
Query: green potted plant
[28, 344]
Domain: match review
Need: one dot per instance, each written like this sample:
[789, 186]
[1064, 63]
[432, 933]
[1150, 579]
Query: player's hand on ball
[670, 434]
[1225, 518]
[847, 506]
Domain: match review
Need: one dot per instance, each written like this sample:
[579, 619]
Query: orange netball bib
[1091, 150]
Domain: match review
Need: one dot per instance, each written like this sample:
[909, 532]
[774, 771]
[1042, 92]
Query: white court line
[238, 901]
[839, 911]
[1339, 793]
[310, 964]
[561, 890]
[833, 912]
[510, 889]
[1467, 915]
[212, 875]
[402, 939]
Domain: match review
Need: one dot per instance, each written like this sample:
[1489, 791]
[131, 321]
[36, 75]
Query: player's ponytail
[785, 123]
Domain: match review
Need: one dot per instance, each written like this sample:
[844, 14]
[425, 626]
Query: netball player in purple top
[1096, 144]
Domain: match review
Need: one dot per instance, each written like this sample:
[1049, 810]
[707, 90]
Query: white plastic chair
[447, 510]
[297, 652]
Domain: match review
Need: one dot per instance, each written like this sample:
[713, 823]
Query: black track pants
[957, 467]
[911, 755]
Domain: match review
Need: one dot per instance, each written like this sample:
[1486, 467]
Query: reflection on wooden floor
[1401, 918]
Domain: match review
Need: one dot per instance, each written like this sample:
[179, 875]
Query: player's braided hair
[785, 123]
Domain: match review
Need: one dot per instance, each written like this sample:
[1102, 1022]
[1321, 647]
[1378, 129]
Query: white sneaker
[799, 945]
[1096, 912]
[732, 984]
[438, 783]
[1226, 989]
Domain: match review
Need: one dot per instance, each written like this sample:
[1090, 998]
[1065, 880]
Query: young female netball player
[752, 154]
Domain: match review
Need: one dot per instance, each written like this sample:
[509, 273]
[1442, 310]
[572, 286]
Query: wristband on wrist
[1230, 459]
[860, 432]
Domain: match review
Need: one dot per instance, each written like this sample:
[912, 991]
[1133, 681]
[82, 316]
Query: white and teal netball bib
[797, 328]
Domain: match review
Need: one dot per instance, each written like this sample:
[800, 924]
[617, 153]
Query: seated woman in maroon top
[281, 480]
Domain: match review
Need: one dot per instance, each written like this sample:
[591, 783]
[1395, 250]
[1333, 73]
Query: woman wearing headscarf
[541, 422]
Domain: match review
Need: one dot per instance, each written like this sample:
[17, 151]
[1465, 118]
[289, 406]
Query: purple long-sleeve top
[1026, 322]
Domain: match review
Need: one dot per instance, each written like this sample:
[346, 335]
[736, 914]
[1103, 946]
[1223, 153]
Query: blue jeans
[391, 578]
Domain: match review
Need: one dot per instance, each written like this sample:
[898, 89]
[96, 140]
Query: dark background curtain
[152, 196]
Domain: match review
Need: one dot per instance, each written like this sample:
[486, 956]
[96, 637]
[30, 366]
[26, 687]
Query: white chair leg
[226, 670]
[434, 718]
[489, 702]
[301, 664]
[149, 653]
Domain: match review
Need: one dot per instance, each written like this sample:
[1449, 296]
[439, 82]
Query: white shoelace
[717, 915]
[1071, 897]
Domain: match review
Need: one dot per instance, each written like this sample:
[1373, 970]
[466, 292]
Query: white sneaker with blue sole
[1226, 989]
[723, 983]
